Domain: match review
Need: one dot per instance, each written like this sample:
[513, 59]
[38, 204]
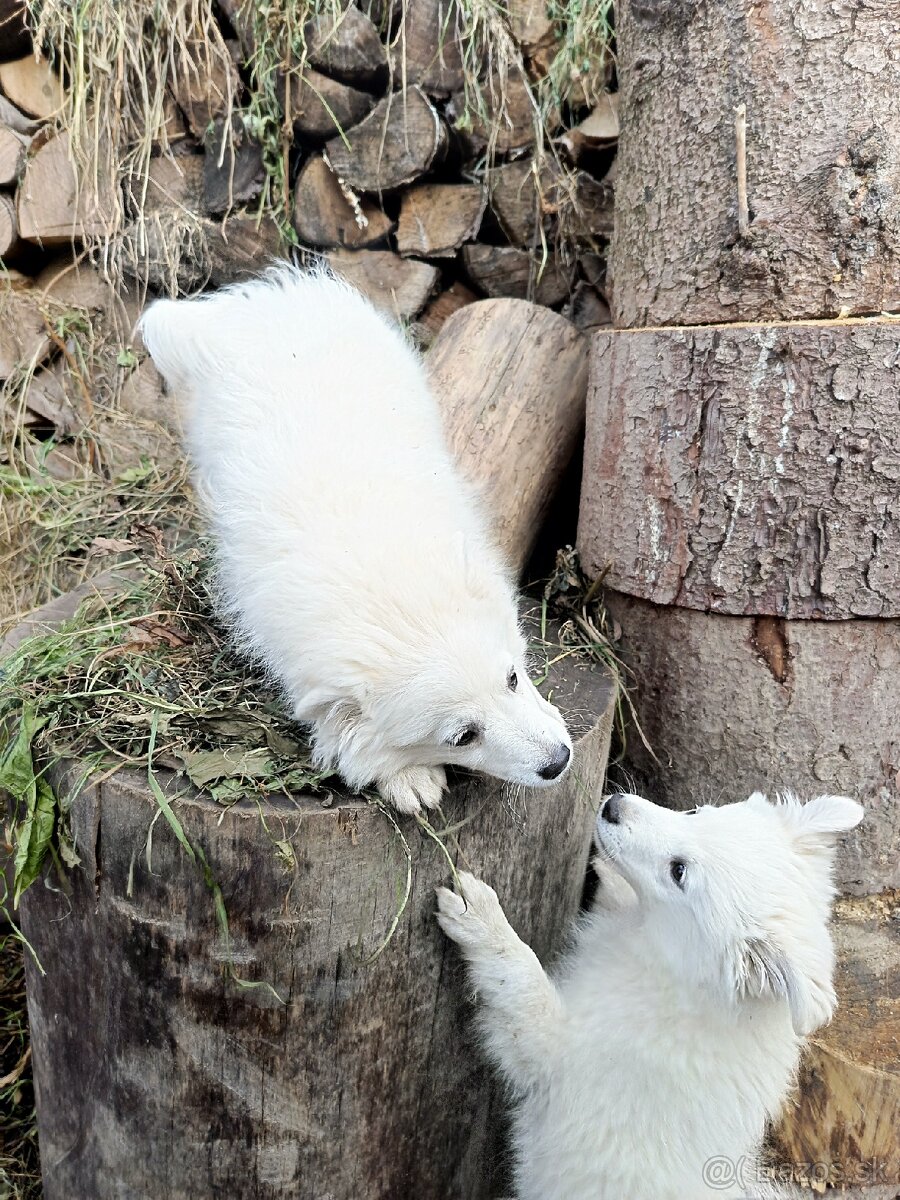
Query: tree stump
[757, 468]
[819, 229]
[158, 1075]
[511, 377]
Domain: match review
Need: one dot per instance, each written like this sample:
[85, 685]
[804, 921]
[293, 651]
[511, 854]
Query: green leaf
[126, 357]
[32, 839]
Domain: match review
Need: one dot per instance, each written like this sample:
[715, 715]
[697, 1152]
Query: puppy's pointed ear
[766, 970]
[827, 816]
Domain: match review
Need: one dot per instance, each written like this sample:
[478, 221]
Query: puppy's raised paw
[414, 788]
[473, 917]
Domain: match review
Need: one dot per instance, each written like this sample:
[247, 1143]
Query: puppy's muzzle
[555, 767]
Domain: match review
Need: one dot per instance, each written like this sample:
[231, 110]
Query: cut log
[327, 215]
[318, 106]
[399, 286]
[599, 129]
[175, 182]
[205, 84]
[347, 48]
[13, 146]
[820, 233]
[732, 705]
[11, 117]
[427, 49]
[24, 340]
[530, 25]
[593, 211]
[506, 120]
[439, 310]
[747, 470]
[507, 271]
[511, 379]
[848, 1113]
[436, 218]
[518, 200]
[135, 1011]
[15, 37]
[51, 207]
[398, 141]
[9, 229]
[233, 171]
[32, 86]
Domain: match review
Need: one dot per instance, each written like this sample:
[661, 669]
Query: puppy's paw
[414, 788]
[473, 918]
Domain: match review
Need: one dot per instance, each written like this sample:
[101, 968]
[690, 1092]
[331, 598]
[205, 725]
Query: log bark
[507, 271]
[848, 1112]
[735, 704]
[9, 229]
[398, 286]
[822, 230]
[397, 142]
[436, 218]
[13, 146]
[511, 379]
[348, 49]
[320, 106]
[32, 86]
[747, 470]
[327, 215]
[51, 207]
[362, 1081]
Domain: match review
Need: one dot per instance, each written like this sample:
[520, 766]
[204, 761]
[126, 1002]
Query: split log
[820, 232]
[23, 331]
[51, 206]
[205, 84]
[747, 470]
[439, 310]
[848, 1113]
[11, 117]
[518, 200]
[530, 25]
[733, 705]
[318, 105]
[15, 36]
[399, 286]
[593, 202]
[398, 141]
[508, 118]
[598, 130]
[9, 229]
[436, 218]
[136, 1015]
[233, 171]
[507, 271]
[427, 50]
[13, 146]
[174, 182]
[32, 86]
[347, 48]
[511, 379]
[327, 215]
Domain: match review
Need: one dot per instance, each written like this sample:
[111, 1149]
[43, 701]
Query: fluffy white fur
[671, 1034]
[353, 559]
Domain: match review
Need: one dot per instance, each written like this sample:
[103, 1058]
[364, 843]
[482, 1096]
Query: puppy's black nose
[612, 810]
[557, 764]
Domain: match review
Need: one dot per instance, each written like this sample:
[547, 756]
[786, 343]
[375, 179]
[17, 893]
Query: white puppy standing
[353, 559]
[648, 1069]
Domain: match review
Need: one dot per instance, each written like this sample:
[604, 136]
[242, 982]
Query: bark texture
[820, 85]
[848, 1114]
[748, 470]
[731, 705]
[157, 1075]
[511, 377]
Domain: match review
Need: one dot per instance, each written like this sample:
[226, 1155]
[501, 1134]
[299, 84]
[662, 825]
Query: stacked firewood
[426, 179]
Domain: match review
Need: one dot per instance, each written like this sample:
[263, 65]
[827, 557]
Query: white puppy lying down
[353, 559]
[648, 1069]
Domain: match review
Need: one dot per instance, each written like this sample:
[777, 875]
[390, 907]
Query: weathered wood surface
[848, 1110]
[399, 286]
[157, 1075]
[233, 171]
[436, 218]
[747, 470]
[9, 229]
[349, 49]
[327, 215]
[32, 86]
[735, 704]
[397, 142]
[319, 106]
[23, 331]
[51, 206]
[13, 146]
[511, 377]
[508, 271]
[820, 88]
[427, 51]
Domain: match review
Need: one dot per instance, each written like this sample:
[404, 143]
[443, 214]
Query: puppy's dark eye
[512, 680]
[467, 737]
[678, 870]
